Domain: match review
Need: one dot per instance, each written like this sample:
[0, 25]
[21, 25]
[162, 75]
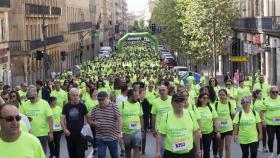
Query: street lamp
[46, 60]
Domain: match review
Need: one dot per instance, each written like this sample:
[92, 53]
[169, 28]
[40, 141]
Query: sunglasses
[11, 118]
[13, 96]
[228, 84]
[101, 99]
[5, 98]
[274, 92]
[205, 97]
[31, 98]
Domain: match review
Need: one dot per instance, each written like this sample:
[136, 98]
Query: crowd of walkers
[120, 99]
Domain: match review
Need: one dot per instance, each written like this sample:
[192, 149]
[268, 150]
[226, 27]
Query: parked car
[169, 61]
[179, 70]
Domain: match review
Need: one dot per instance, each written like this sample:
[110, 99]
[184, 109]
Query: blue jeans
[102, 146]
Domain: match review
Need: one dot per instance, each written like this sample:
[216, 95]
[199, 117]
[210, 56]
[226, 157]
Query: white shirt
[25, 120]
[120, 99]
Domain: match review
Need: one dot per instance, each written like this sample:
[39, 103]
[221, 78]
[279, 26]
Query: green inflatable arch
[152, 38]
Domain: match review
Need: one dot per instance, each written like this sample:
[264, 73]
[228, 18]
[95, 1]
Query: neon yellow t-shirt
[224, 116]
[90, 104]
[159, 108]
[39, 112]
[150, 96]
[57, 114]
[25, 146]
[131, 113]
[61, 97]
[207, 119]
[178, 131]
[242, 92]
[21, 93]
[247, 132]
[272, 111]
[258, 105]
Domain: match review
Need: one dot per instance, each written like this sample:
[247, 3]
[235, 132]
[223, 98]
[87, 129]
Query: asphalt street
[151, 146]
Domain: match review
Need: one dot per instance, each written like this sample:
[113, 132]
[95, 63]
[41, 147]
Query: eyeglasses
[11, 118]
[274, 92]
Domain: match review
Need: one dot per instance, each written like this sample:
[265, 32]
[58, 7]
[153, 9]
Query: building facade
[38, 37]
[5, 72]
[257, 37]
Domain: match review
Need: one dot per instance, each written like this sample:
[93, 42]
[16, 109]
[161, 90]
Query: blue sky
[136, 5]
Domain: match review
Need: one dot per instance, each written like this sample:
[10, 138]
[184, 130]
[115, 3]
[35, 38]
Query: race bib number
[276, 120]
[224, 123]
[133, 125]
[57, 126]
[180, 145]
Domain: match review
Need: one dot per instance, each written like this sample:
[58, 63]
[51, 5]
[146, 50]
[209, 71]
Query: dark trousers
[214, 144]
[144, 141]
[205, 144]
[44, 142]
[264, 136]
[168, 154]
[75, 145]
[54, 145]
[94, 137]
[253, 150]
[271, 131]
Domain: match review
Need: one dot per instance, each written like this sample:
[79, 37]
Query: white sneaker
[271, 155]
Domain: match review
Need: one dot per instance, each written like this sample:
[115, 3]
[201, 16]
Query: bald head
[8, 120]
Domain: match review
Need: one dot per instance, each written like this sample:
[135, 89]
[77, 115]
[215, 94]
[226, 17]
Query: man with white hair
[40, 116]
[74, 116]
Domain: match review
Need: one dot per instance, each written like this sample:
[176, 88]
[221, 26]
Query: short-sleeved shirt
[207, 119]
[258, 105]
[272, 111]
[264, 87]
[107, 116]
[57, 114]
[161, 107]
[90, 104]
[247, 132]
[178, 131]
[61, 97]
[224, 116]
[26, 145]
[131, 113]
[39, 113]
[74, 116]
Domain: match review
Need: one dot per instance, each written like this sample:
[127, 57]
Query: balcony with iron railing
[41, 9]
[27, 45]
[79, 26]
[5, 4]
[269, 23]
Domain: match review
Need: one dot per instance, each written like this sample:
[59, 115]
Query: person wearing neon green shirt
[190, 79]
[262, 85]
[132, 123]
[160, 106]
[242, 91]
[225, 113]
[207, 123]
[232, 92]
[150, 92]
[40, 114]
[258, 106]
[22, 91]
[247, 129]
[15, 143]
[92, 101]
[202, 81]
[61, 95]
[54, 145]
[271, 111]
[180, 136]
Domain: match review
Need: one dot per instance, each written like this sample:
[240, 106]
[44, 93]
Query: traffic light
[39, 55]
[63, 55]
[153, 27]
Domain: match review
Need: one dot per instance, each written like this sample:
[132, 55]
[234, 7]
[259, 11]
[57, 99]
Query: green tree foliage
[165, 15]
[190, 23]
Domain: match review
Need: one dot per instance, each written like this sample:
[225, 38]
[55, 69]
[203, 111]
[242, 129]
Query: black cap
[178, 97]
[102, 95]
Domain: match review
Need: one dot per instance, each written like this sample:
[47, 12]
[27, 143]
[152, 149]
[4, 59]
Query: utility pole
[46, 56]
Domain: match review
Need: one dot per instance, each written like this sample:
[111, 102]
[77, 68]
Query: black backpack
[240, 114]
[229, 105]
